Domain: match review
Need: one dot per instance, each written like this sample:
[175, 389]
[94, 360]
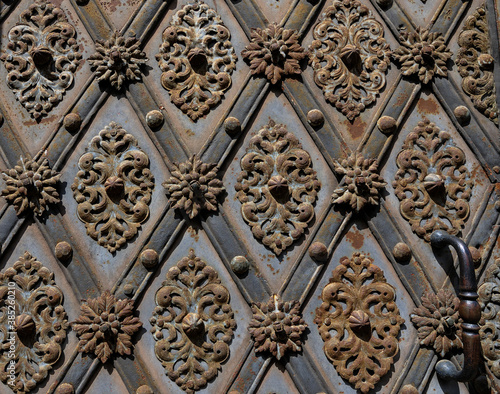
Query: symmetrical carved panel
[193, 187]
[277, 326]
[31, 185]
[274, 52]
[106, 325]
[359, 321]
[350, 56]
[118, 60]
[28, 292]
[113, 187]
[475, 64]
[362, 183]
[197, 59]
[192, 323]
[437, 321]
[277, 187]
[489, 299]
[433, 184]
[41, 57]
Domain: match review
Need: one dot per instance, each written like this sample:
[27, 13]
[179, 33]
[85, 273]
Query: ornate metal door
[238, 196]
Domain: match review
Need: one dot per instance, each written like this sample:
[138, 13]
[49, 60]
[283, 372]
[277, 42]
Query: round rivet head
[154, 119]
[240, 265]
[65, 388]
[144, 390]
[149, 258]
[232, 125]
[476, 256]
[63, 251]
[387, 124]
[315, 118]
[462, 114]
[496, 170]
[318, 251]
[72, 122]
[401, 252]
[128, 289]
[409, 389]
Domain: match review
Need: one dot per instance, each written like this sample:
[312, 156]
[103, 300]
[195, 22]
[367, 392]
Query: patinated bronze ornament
[192, 323]
[359, 322]
[105, 326]
[41, 57]
[38, 331]
[197, 59]
[113, 187]
[433, 183]
[349, 56]
[277, 187]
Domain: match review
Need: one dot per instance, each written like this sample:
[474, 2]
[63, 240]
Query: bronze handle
[469, 310]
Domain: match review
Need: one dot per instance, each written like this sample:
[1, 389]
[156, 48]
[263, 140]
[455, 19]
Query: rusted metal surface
[250, 272]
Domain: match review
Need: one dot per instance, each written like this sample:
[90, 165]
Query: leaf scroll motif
[41, 57]
[433, 184]
[359, 321]
[192, 323]
[113, 187]
[40, 325]
[349, 56]
[475, 64]
[277, 187]
[197, 59]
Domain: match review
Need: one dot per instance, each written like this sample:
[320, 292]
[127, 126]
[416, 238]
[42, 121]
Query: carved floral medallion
[433, 184]
[362, 183]
[349, 56]
[274, 52]
[438, 322]
[28, 292]
[192, 323]
[475, 64]
[423, 54]
[193, 187]
[31, 185]
[359, 322]
[41, 57]
[117, 60]
[197, 59]
[277, 326]
[105, 326]
[277, 187]
[489, 299]
[113, 187]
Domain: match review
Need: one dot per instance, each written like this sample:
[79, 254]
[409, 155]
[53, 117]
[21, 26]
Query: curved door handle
[469, 310]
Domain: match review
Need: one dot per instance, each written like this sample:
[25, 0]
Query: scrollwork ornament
[192, 323]
[197, 59]
[349, 56]
[432, 183]
[489, 299]
[475, 64]
[41, 57]
[113, 187]
[277, 187]
[32, 185]
[359, 322]
[39, 329]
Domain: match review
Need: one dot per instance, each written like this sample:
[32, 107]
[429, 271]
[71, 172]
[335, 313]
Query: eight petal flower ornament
[31, 185]
[275, 52]
[362, 183]
[438, 322]
[277, 326]
[106, 326]
[193, 187]
[117, 60]
[423, 53]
